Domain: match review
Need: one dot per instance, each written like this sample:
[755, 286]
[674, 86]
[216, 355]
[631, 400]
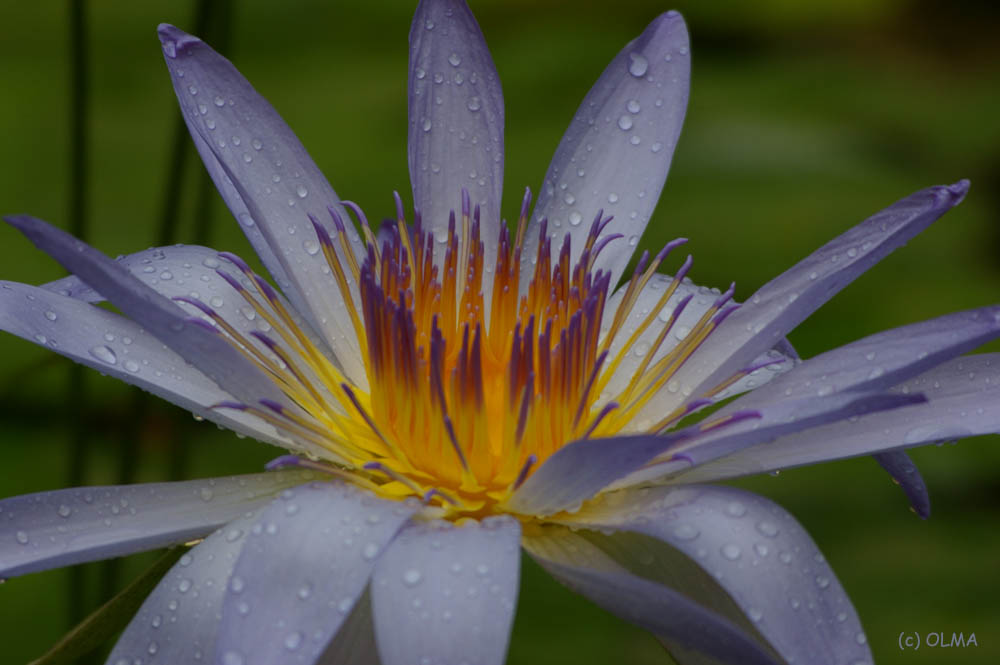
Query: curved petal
[446, 594]
[699, 300]
[199, 345]
[750, 547]
[64, 527]
[882, 360]
[115, 346]
[456, 119]
[787, 300]
[177, 623]
[961, 394]
[276, 180]
[582, 468]
[305, 564]
[616, 152]
[686, 628]
[906, 474]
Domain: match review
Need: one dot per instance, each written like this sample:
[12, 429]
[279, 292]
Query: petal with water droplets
[456, 119]
[738, 554]
[115, 346]
[305, 564]
[178, 621]
[688, 629]
[279, 185]
[617, 150]
[64, 527]
[961, 395]
[199, 345]
[448, 592]
[788, 299]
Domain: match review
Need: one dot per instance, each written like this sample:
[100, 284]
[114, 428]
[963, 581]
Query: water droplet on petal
[625, 122]
[454, 60]
[638, 65]
[301, 191]
[104, 354]
[730, 551]
[412, 577]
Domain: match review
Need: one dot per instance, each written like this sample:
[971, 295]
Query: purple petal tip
[174, 39]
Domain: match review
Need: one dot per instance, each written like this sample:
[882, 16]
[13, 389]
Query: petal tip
[174, 39]
[958, 190]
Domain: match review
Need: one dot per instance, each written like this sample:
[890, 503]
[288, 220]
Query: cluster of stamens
[460, 406]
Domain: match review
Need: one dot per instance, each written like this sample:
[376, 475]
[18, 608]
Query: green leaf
[111, 617]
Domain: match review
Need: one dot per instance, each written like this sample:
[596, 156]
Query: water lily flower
[451, 391]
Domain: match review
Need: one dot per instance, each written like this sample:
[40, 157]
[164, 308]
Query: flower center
[461, 407]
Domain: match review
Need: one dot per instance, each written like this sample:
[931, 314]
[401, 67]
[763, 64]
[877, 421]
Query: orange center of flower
[461, 407]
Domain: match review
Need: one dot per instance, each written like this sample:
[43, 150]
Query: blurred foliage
[804, 119]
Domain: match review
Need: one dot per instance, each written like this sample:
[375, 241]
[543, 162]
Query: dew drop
[412, 577]
[50, 315]
[301, 191]
[474, 104]
[104, 354]
[730, 551]
[184, 585]
[454, 60]
[232, 658]
[768, 529]
[625, 122]
[22, 537]
[369, 551]
[736, 509]
[686, 532]
[311, 247]
[293, 641]
[638, 65]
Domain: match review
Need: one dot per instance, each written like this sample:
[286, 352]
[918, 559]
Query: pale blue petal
[446, 594]
[305, 564]
[178, 622]
[277, 182]
[962, 396]
[787, 300]
[692, 632]
[750, 547]
[163, 318]
[456, 119]
[115, 346]
[354, 643]
[64, 527]
[617, 150]
[580, 469]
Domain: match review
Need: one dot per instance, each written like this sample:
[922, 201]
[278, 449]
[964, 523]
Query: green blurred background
[804, 119]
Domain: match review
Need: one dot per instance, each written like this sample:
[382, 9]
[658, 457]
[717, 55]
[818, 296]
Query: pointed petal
[750, 547]
[785, 301]
[305, 564]
[683, 625]
[178, 621]
[64, 527]
[962, 395]
[616, 152]
[201, 347]
[580, 469]
[771, 362]
[456, 119]
[115, 346]
[448, 593]
[906, 474]
[277, 182]
[882, 360]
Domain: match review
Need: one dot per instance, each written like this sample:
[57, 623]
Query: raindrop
[730, 551]
[755, 614]
[184, 585]
[50, 315]
[612, 198]
[22, 537]
[625, 122]
[236, 584]
[219, 101]
[311, 247]
[369, 551]
[256, 143]
[105, 354]
[633, 106]
[301, 191]
[736, 509]
[686, 532]
[412, 577]
[822, 582]
[426, 124]
[232, 658]
[768, 529]
[293, 641]
[64, 510]
[575, 218]
[206, 493]
[638, 65]
[656, 147]
[474, 104]
[454, 60]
